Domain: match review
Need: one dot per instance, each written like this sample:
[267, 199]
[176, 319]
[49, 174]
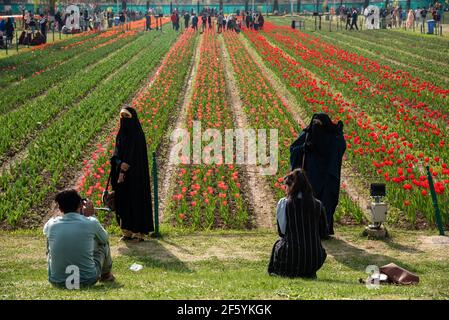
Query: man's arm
[100, 233]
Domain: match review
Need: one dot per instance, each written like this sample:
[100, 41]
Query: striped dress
[298, 252]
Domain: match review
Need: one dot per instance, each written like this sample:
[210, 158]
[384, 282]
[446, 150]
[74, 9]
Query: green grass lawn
[231, 265]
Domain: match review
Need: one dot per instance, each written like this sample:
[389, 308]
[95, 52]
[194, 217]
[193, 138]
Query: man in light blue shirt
[77, 244]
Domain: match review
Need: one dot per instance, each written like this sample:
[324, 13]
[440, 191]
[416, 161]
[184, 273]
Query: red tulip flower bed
[208, 196]
[382, 144]
[154, 106]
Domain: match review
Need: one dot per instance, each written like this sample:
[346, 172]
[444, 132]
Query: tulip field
[59, 108]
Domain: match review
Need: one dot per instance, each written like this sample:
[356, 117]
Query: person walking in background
[256, 22]
[301, 224]
[186, 19]
[203, 22]
[195, 22]
[348, 19]
[130, 178]
[147, 21]
[410, 19]
[58, 19]
[355, 18]
[261, 21]
[248, 20]
[9, 29]
[177, 25]
[77, 239]
[220, 22]
[173, 20]
[43, 27]
[209, 21]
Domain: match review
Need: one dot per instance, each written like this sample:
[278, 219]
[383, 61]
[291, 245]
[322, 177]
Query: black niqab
[319, 151]
[133, 196]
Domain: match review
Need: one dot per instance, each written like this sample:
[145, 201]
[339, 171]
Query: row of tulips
[438, 50]
[154, 105]
[19, 65]
[43, 60]
[19, 125]
[208, 196]
[60, 147]
[424, 57]
[376, 92]
[34, 85]
[422, 67]
[371, 150]
[38, 53]
[266, 108]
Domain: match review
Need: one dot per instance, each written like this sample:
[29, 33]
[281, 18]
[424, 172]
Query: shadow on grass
[401, 247]
[357, 258]
[153, 254]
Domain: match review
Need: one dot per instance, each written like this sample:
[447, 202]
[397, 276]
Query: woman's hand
[121, 177]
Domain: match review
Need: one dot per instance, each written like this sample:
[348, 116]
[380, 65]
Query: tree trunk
[246, 5]
[298, 6]
[52, 4]
[408, 4]
[124, 4]
[366, 4]
[220, 5]
[276, 5]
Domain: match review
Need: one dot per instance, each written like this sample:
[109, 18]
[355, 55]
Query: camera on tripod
[378, 212]
[378, 207]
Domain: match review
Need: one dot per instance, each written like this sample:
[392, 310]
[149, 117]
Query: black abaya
[133, 196]
[321, 149]
[298, 252]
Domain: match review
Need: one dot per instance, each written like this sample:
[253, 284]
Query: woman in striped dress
[301, 221]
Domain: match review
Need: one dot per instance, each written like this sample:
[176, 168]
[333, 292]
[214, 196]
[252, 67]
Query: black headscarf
[319, 136]
[133, 196]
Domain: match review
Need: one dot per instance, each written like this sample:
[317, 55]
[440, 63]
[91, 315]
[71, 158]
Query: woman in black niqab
[319, 151]
[130, 178]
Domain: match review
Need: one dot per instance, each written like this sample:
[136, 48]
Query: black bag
[108, 197]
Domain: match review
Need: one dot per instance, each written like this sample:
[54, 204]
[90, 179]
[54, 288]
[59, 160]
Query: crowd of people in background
[210, 18]
[392, 16]
[35, 27]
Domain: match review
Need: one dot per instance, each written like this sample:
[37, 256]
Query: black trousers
[354, 23]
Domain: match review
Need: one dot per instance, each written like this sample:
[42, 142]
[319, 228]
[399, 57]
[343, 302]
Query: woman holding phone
[130, 178]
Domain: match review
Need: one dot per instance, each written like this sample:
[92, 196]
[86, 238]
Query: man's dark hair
[68, 200]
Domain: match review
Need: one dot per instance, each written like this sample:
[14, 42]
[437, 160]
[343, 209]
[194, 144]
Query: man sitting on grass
[77, 241]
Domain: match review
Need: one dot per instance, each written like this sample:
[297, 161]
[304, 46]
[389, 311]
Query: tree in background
[276, 5]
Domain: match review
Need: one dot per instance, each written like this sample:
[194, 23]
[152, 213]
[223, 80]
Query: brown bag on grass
[398, 275]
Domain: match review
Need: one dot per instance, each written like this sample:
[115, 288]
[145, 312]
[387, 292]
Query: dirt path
[167, 169]
[354, 188]
[260, 194]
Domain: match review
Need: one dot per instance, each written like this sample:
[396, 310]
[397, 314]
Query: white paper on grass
[136, 267]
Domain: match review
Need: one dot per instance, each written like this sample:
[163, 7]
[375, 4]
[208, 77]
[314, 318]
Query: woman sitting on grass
[301, 221]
